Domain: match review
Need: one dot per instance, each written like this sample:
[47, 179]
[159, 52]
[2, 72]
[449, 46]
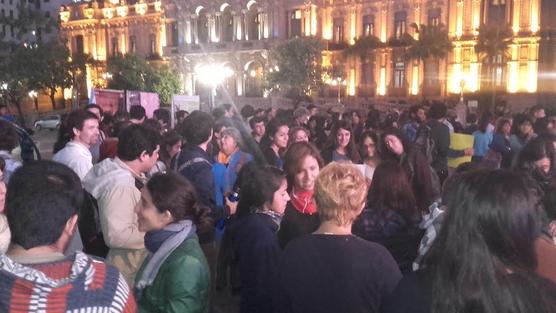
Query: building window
[11, 2]
[295, 24]
[367, 77]
[400, 24]
[12, 31]
[173, 42]
[434, 17]
[115, 46]
[497, 2]
[399, 75]
[47, 14]
[152, 44]
[3, 13]
[132, 44]
[11, 13]
[338, 30]
[79, 44]
[368, 25]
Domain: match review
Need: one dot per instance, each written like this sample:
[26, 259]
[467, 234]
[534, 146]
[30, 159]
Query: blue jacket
[481, 142]
[225, 176]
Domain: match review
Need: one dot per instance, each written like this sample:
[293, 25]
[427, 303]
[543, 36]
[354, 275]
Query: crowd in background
[300, 210]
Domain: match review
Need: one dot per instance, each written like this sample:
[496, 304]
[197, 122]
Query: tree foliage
[363, 46]
[433, 42]
[133, 72]
[493, 41]
[300, 72]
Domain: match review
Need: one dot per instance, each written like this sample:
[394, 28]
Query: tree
[165, 81]
[14, 78]
[53, 70]
[299, 71]
[132, 72]
[433, 44]
[363, 46]
[493, 42]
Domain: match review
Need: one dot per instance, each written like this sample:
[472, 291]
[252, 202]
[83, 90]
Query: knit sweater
[72, 284]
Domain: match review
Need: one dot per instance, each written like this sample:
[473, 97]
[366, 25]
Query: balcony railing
[218, 47]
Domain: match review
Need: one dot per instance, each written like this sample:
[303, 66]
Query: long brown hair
[295, 155]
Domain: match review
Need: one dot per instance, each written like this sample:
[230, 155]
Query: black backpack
[425, 142]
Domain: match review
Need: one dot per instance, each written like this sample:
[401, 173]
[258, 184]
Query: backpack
[425, 142]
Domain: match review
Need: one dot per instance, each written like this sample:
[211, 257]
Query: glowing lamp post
[34, 95]
[213, 75]
[338, 81]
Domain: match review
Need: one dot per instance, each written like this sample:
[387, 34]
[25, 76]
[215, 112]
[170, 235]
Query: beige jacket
[5, 234]
[112, 183]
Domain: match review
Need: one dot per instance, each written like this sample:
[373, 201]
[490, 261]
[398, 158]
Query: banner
[186, 103]
[460, 142]
[147, 100]
[108, 99]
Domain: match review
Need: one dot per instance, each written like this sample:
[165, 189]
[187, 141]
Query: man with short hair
[137, 114]
[35, 276]
[301, 116]
[116, 185]
[417, 118]
[85, 133]
[95, 149]
[258, 128]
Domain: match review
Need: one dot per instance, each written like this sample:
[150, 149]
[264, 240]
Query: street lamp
[338, 81]
[213, 75]
[462, 86]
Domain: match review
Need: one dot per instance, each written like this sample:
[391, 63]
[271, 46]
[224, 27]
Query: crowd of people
[292, 211]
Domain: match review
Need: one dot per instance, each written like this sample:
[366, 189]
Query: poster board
[109, 100]
[186, 103]
[147, 100]
[460, 142]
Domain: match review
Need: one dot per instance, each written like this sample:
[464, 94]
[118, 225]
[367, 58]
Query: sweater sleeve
[118, 219]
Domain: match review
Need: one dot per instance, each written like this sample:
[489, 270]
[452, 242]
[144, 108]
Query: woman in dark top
[331, 270]
[391, 217]
[275, 141]
[302, 165]
[262, 201]
[484, 258]
[341, 145]
[394, 146]
[501, 142]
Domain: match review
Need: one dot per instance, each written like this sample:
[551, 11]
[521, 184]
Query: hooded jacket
[72, 284]
[116, 188]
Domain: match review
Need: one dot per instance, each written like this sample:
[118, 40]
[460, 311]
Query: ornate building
[104, 28]
[238, 34]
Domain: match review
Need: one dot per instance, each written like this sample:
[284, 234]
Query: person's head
[121, 115]
[343, 135]
[302, 163]
[247, 111]
[181, 115]
[257, 125]
[41, 205]
[313, 110]
[536, 155]
[340, 193]
[84, 127]
[538, 112]
[392, 191]
[299, 133]
[171, 145]
[486, 243]
[9, 139]
[301, 115]
[265, 188]
[525, 126]
[504, 126]
[141, 144]
[484, 121]
[417, 113]
[137, 113]
[229, 110]
[96, 110]
[355, 118]
[437, 110]
[394, 143]
[196, 128]
[368, 144]
[169, 198]
[163, 117]
[277, 133]
[230, 140]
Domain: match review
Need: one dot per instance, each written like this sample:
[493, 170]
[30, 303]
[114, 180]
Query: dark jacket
[182, 283]
[295, 224]
[199, 173]
[257, 251]
[270, 156]
[400, 236]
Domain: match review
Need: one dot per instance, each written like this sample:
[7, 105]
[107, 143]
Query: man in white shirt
[85, 133]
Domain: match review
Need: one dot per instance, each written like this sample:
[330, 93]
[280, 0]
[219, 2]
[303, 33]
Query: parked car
[49, 122]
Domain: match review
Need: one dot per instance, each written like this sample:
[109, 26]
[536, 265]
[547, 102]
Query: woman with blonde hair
[332, 270]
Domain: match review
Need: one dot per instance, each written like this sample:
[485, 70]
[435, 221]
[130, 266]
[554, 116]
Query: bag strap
[191, 162]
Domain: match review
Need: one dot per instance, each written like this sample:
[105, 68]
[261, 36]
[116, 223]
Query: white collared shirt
[77, 157]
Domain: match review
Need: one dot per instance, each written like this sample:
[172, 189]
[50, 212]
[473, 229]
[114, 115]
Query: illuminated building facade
[239, 34]
[104, 28]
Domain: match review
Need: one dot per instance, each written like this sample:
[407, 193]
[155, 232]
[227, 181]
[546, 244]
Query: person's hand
[469, 151]
[232, 205]
[552, 228]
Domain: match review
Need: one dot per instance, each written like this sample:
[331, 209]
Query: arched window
[254, 80]
[226, 25]
[202, 26]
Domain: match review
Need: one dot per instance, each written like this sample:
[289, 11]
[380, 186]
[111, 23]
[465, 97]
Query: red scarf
[303, 202]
